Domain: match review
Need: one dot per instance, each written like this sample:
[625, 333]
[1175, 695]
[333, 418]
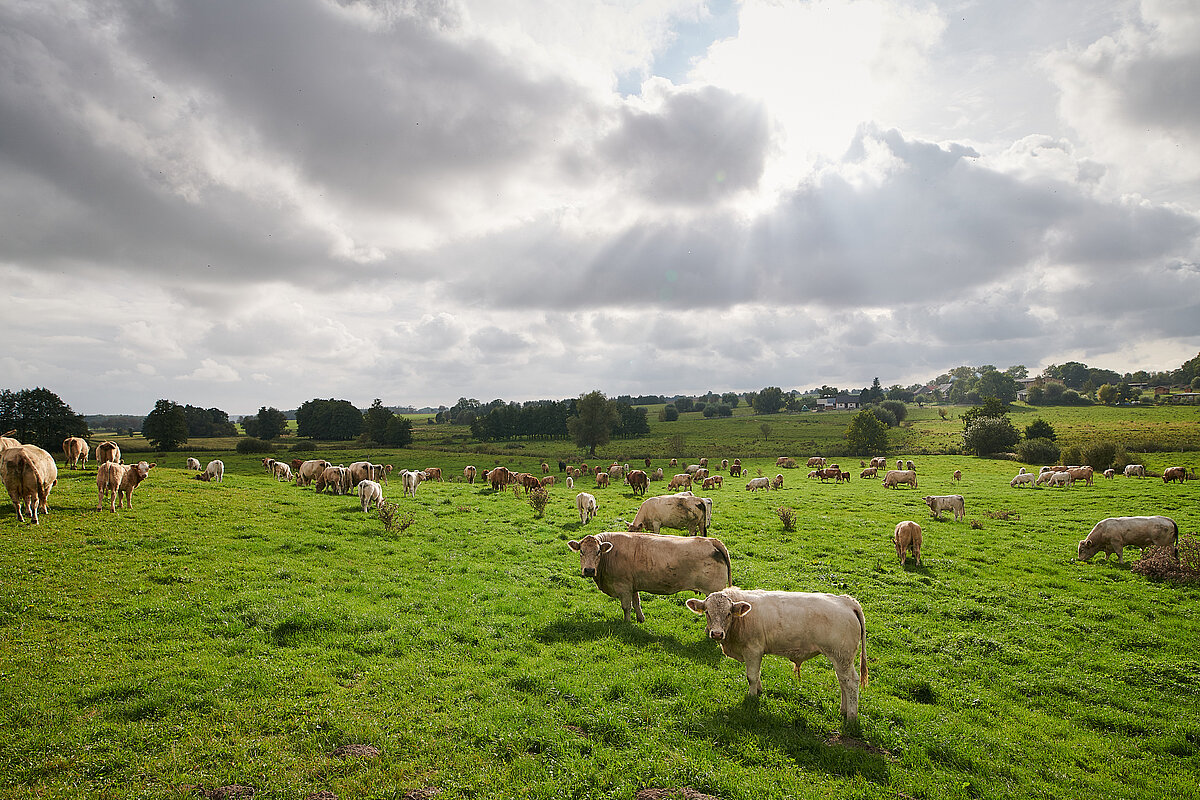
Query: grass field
[239, 633]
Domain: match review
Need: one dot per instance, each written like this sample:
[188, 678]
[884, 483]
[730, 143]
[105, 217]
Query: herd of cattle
[746, 624]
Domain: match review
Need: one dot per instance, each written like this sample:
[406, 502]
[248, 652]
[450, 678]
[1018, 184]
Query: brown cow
[680, 481]
[29, 473]
[907, 537]
[680, 511]
[75, 451]
[108, 451]
[624, 564]
[120, 480]
[433, 473]
[7, 440]
[1175, 474]
[638, 480]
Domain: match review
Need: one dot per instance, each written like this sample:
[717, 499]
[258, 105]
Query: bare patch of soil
[680, 793]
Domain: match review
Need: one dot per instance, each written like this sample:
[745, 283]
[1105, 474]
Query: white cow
[585, 504]
[1135, 471]
[1023, 478]
[215, 471]
[411, 479]
[283, 470]
[758, 483]
[193, 464]
[1114, 534]
[370, 492]
[795, 625]
[949, 502]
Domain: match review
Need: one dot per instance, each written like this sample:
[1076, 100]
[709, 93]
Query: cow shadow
[812, 749]
[576, 630]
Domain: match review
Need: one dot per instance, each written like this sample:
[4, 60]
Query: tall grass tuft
[787, 515]
[394, 520]
[1159, 562]
[539, 498]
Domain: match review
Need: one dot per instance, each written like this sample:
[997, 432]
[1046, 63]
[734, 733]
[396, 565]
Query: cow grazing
[715, 482]
[950, 502]
[585, 504]
[907, 537]
[625, 564]
[657, 475]
[758, 483]
[1114, 534]
[680, 481]
[108, 451]
[1109, 473]
[957, 475]
[1081, 474]
[638, 481]
[869, 472]
[878, 462]
[1023, 479]
[601, 479]
[899, 463]
[369, 492]
[469, 473]
[310, 470]
[193, 464]
[735, 471]
[215, 471]
[795, 625]
[334, 478]
[895, 477]
[724, 463]
[1175, 474]
[75, 452]
[570, 482]
[29, 473]
[910, 466]
[282, 471]
[815, 461]
[679, 511]
[1135, 471]
[777, 482]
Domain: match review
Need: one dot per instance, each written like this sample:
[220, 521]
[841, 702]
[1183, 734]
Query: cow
[193, 464]
[657, 475]
[1175, 474]
[910, 466]
[7, 441]
[108, 481]
[715, 482]
[310, 470]
[907, 537]
[815, 461]
[283, 471]
[777, 481]
[878, 462]
[1114, 534]
[1023, 479]
[433, 473]
[843, 476]
[704, 462]
[957, 475]
[735, 471]
[545, 468]
[616, 472]
[29, 473]
[639, 481]
[680, 481]
[1081, 474]
[1109, 473]
[949, 502]
[364, 471]
[215, 471]
[601, 479]
[1063, 478]
[547, 481]
[869, 472]
[498, 477]
[900, 464]
[369, 492]
[779, 462]
[895, 477]
[795, 625]
[131, 476]
[269, 464]
[724, 463]
[827, 473]
[585, 504]
[410, 479]
[674, 462]
[469, 473]
[758, 483]
[691, 469]
[335, 478]
[679, 511]
[108, 451]
[1135, 471]
[625, 564]
[75, 452]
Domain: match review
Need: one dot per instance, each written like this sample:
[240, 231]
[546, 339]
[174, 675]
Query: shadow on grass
[839, 754]
[576, 630]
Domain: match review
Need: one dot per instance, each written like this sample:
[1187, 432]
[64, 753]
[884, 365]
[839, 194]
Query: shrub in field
[394, 520]
[990, 435]
[1038, 451]
[1072, 455]
[252, 445]
[884, 415]
[787, 515]
[898, 409]
[1159, 562]
[1040, 429]
[539, 498]
[1099, 455]
[305, 446]
[669, 413]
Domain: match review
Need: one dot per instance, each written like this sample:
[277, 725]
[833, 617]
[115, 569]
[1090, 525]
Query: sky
[240, 204]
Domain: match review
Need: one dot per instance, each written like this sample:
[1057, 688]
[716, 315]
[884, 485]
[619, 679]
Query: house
[842, 402]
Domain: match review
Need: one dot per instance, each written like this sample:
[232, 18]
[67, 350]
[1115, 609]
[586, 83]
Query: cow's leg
[637, 607]
[847, 677]
[754, 674]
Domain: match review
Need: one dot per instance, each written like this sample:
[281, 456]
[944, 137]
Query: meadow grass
[238, 633]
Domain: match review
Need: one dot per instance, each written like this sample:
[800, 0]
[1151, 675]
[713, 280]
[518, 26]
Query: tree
[766, 431]
[866, 434]
[991, 408]
[1108, 394]
[997, 384]
[669, 413]
[166, 426]
[593, 422]
[39, 417]
[398, 432]
[768, 400]
[270, 423]
[630, 421]
[829, 391]
[990, 435]
[376, 420]
[336, 420]
[684, 404]
[1035, 396]
[730, 399]
[873, 394]
[208, 422]
[1040, 429]
[898, 409]
[1017, 372]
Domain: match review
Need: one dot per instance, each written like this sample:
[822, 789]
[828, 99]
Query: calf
[1175, 474]
[585, 504]
[215, 471]
[411, 479]
[795, 625]
[193, 464]
[950, 502]
[282, 470]
[1023, 479]
[369, 492]
[638, 481]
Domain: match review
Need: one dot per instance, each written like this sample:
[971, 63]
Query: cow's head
[1087, 549]
[590, 549]
[719, 610]
[143, 469]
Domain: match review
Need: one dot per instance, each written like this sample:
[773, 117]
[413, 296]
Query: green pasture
[239, 633]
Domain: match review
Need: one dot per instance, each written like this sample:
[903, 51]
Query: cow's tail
[721, 553]
[862, 633]
[1175, 540]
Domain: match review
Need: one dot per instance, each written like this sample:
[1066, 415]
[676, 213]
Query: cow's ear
[152, 466]
[606, 546]
[695, 604]
[741, 608]
[574, 545]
